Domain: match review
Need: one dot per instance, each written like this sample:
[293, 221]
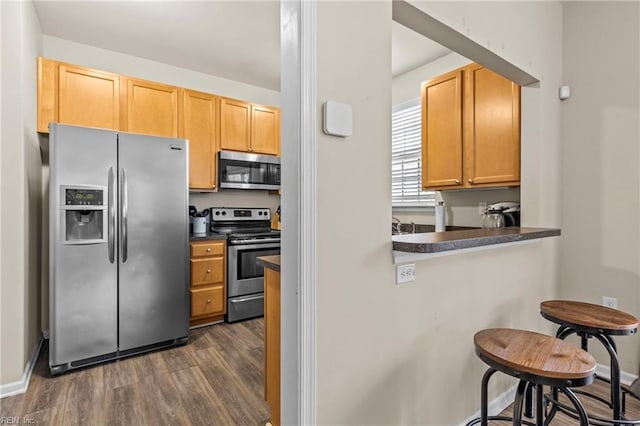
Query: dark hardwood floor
[216, 379]
[593, 407]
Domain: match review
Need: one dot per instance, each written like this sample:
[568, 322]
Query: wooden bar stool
[537, 360]
[594, 321]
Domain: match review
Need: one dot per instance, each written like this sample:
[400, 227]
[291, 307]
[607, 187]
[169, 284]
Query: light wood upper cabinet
[265, 130]
[76, 95]
[149, 108]
[200, 127]
[470, 130]
[492, 142]
[235, 125]
[442, 131]
[249, 127]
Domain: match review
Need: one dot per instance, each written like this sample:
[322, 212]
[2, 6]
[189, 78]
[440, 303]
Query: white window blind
[406, 167]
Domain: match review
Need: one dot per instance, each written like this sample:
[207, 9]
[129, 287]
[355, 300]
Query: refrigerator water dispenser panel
[83, 215]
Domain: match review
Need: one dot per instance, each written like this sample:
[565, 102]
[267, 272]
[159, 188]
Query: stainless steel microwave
[240, 170]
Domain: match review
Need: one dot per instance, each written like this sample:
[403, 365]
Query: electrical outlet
[405, 273]
[610, 302]
[482, 206]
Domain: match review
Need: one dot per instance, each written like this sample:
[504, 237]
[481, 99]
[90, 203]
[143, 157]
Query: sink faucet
[396, 223]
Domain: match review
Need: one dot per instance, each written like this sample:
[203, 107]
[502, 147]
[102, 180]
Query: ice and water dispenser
[83, 214]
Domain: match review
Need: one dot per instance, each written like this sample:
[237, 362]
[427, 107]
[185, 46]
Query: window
[406, 143]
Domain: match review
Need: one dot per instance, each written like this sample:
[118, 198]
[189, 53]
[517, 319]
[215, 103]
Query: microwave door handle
[112, 215]
[123, 214]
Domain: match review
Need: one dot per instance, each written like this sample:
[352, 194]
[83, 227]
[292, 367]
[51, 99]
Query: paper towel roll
[441, 217]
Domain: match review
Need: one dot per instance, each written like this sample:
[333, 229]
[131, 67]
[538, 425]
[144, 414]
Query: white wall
[462, 205]
[21, 191]
[107, 60]
[392, 354]
[600, 247]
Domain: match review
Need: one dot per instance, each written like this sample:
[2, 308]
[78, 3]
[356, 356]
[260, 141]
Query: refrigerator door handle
[112, 215]
[123, 214]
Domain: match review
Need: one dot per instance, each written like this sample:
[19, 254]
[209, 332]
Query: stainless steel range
[249, 236]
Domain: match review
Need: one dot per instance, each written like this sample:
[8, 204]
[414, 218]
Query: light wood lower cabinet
[272, 343]
[208, 282]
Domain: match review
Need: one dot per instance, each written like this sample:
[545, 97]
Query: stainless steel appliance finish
[126, 292]
[249, 236]
[239, 170]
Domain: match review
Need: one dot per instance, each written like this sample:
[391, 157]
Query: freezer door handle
[112, 215]
[123, 214]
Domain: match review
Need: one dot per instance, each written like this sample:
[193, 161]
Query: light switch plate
[338, 119]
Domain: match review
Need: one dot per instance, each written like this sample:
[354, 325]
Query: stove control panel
[221, 214]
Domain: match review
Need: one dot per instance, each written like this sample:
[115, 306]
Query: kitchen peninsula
[271, 266]
[438, 242]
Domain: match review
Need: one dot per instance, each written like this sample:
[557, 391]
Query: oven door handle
[247, 299]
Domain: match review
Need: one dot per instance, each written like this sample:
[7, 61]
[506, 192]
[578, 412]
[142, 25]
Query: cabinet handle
[208, 249]
[208, 300]
[470, 181]
[208, 271]
[457, 181]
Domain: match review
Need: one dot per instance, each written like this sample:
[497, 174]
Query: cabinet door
[265, 130]
[208, 301]
[235, 125]
[442, 131]
[47, 93]
[200, 128]
[151, 108]
[492, 139]
[88, 97]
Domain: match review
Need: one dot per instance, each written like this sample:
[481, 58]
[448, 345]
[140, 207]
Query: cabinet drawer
[207, 271]
[209, 248]
[207, 301]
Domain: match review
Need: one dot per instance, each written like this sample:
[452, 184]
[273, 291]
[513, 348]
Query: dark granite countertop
[435, 242]
[208, 236]
[271, 262]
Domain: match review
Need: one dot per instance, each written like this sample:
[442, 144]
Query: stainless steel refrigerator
[118, 245]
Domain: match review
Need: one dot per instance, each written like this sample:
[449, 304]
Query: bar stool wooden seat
[537, 360]
[588, 321]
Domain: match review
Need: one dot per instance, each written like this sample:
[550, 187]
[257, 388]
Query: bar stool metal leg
[584, 420]
[484, 399]
[518, 402]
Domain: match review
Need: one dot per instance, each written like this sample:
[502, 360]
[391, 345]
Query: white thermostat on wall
[338, 119]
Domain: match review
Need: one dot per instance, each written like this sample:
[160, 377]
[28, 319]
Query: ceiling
[237, 40]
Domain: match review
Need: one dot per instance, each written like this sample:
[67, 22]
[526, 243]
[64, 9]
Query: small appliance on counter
[200, 222]
[502, 214]
[192, 212]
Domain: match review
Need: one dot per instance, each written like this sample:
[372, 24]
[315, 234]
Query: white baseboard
[505, 399]
[605, 371]
[21, 385]
[496, 405]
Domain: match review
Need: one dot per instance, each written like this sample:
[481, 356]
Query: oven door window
[248, 267]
